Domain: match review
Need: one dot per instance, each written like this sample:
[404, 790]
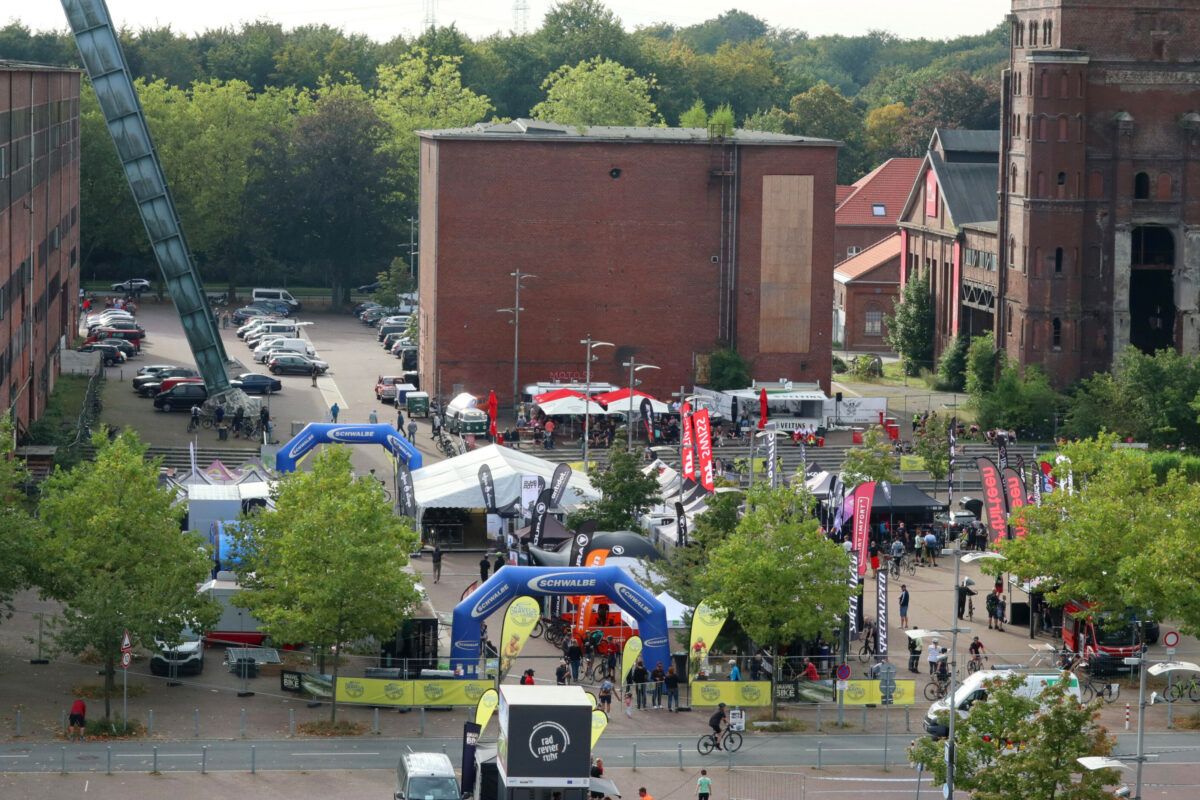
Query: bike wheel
[538, 630]
[1110, 692]
[1193, 693]
[932, 692]
[705, 745]
[1086, 693]
[733, 741]
[864, 653]
[1176, 692]
[910, 568]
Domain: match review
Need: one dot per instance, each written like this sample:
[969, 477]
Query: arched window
[1047, 32]
[1045, 77]
[1062, 129]
[1041, 129]
[1064, 84]
[1058, 260]
[1056, 333]
[1141, 186]
[1012, 252]
[1012, 181]
[1032, 33]
[1061, 183]
[1162, 191]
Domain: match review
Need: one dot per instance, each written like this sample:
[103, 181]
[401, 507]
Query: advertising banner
[583, 611]
[1014, 492]
[732, 693]
[522, 614]
[629, 657]
[912, 464]
[688, 442]
[864, 495]
[406, 494]
[599, 723]
[681, 525]
[558, 484]
[485, 708]
[647, 412]
[881, 614]
[384, 692]
[772, 469]
[488, 487]
[866, 693]
[531, 487]
[541, 510]
[544, 745]
[994, 509]
[707, 621]
[853, 596]
[1002, 455]
[306, 683]
[704, 448]
[471, 733]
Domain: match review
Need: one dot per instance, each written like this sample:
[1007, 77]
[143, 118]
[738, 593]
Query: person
[897, 555]
[399, 420]
[735, 674]
[333, 412]
[611, 654]
[873, 553]
[932, 657]
[315, 373]
[373, 418]
[756, 667]
[435, 423]
[484, 566]
[1001, 608]
[640, 677]
[643, 794]
[914, 654]
[977, 654]
[437, 563]
[991, 604]
[412, 430]
[671, 684]
[904, 598]
[527, 678]
[942, 674]
[239, 417]
[219, 412]
[264, 416]
[658, 675]
[931, 547]
[561, 672]
[606, 692]
[574, 655]
[810, 670]
[964, 591]
[194, 422]
[703, 786]
[597, 771]
[628, 704]
[77, 722]
[498, 563]
[716, 720]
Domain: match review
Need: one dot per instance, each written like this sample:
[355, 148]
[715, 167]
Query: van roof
[437, 764]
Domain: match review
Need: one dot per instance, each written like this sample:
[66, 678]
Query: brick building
[666, 242]
[39, 230]
[865, 288]
[867, 212]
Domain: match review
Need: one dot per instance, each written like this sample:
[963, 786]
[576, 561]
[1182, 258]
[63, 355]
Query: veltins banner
[688, 442]
[881, 613]
[731, 693]
[485, 708]
[993, 499]
[1014, 492]
[384, 692]
[864, 495]
[707, 621]
[520, 618]
[629, 657]
[704, 448]
[599, 723]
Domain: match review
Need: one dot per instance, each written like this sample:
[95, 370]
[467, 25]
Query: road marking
[353, 753]
[845, 749]
[160, 755]
[14, 756]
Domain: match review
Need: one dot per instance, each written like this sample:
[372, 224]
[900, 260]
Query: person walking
[373, 418]
[658, 675]
[991, 603]
[931, 548]
[437, 563]
[574, 656]
[703, 786]
[964, 591]
[412, 429]
[499, 563]
[640, 677]
[399, 420]
[914, 654]
[932, 656]
[77, 721]
[239, 419]
[735, 674]
[194, 421]
[607, 687]
[315, 373]
[1001, 608]
[560, 676]
[671, 684]
[904, 598]
[484, 566]
[334, 410]
[264, 416]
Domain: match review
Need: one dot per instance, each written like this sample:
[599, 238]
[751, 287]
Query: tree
[773, 120]
[952, 366]
[19, 533]
[625, 494]
[1124, 539]
[723, 120]
[881, 130]
[694, 117]
[680, 570]
[910, 329]
[327, 565]
[981, 364]
[777, 574]
[1027, 403]
[1054, 730]
[825, 112]
[597, 92]
[933, 446]
[728, 370]
[871, 461]
[954, 101]
[113, 555]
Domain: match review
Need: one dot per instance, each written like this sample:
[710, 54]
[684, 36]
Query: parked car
[132, 286]
[295, 364]
[256, 383]
[185, 658]
[156, 378]
[109, 354]
[154, 369]
[246, 313]
[124, 346]
[100, 317]
[391, 339]
[273, 307]
[360, 308]
[181, 397]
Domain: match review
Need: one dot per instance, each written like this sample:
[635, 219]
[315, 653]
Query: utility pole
[587, 416]
[633, 367]
[516, 323]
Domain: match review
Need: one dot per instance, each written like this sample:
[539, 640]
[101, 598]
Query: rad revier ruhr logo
[548, 741]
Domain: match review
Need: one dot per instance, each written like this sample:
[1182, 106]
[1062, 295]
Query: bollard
[680, 746]
[635, 756]
[376, 731]
[108, 760]
[422, 720]
[18, 722]
[64, 723]
[150, 729]
[291, 722]
[62, 769]
[819, 754]
[728, 760]
[1127, 716]
[253, 753]
[197, 722]
[906, 728]
[818, 716]
[243, 723]
[885, 736]
[204, 760]
[154, 769]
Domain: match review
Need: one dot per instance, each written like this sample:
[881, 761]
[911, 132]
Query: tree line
[291, 152]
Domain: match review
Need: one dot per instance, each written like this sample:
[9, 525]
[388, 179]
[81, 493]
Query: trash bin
[222, 433]
[820, 441]
[297, 426]
[857, 437]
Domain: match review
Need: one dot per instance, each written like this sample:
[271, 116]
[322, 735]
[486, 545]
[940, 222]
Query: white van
[254, 337]
[973, 689]
[426, 776]
[276, 296]
[282, 344]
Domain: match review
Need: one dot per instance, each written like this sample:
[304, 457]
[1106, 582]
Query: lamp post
[587, 400]
[516, 323]
[633, 367]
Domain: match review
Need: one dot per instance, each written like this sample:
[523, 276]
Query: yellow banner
[866, 693]
[629, 657]
[383, 692]
[485, 708]
[599, 723]
[707, 622]
[522, 614]
[592, 698]
[912, 464]
[732, 693]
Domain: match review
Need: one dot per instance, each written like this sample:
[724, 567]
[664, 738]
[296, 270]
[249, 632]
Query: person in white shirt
[934, 654]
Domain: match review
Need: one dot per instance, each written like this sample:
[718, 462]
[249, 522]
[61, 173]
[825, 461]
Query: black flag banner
[681, 525]
[404, 489]
[558, 484]
[881, 613]
[471, 733]
[541, 510]
[648, 419]
[488, 487]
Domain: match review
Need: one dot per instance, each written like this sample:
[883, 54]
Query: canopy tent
[556, 394]
[675, 610]
[906, 499]
[555, 532]
[622, 402]
[454, 483]
[567, 404]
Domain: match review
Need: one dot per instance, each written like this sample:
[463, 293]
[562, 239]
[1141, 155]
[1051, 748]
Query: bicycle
[1091, 687]
[1189, 688]
[936, 689]
[556, 632]
[730, 741]
[975, 664]
[387, 494]
[598, 671]
[866, 651]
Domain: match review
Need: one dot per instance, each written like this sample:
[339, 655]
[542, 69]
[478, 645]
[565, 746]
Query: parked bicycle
[1189, 688]
[730, 741]
[1091, 687]
[906, 565]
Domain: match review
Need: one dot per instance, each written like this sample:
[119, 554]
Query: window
[1056, 334]
[1047, 30]
[1062, 129]
[1012, 252]
[1141, 186]
[852, 251]
[878, 210]
[1012, 183]
[1042, 128]
[1058, 259]
[873, 321]
[1062, 185]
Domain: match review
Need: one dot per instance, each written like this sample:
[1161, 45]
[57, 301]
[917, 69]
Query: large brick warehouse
[666, 242]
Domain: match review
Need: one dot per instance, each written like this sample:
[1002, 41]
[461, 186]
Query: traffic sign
[126, 658]
[1171, 639]
[843, 672]
[126, 645]
[843, 685]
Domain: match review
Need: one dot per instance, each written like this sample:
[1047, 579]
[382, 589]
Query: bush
[326, 728]
[839, 366]
[980, 367]
[867, 367]
[1026, 403]
[952, 366]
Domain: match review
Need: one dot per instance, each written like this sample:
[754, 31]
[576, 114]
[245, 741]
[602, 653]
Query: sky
[383, 19]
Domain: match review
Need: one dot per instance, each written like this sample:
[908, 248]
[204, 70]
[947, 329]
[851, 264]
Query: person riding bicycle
[941, 675]
[978, 653]
[897, 555]
[720, 716]
[195, 422]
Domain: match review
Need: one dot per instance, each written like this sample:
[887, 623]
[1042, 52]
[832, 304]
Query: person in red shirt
[810, 670]
[77, 722]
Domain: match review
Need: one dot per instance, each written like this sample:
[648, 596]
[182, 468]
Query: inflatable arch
[316, 433]
[512, 582]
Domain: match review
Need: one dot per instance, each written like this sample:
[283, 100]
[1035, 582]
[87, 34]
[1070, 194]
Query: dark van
[181, 397]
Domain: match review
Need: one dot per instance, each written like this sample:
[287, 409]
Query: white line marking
[847, 749]
[14, 756]
[335, 754]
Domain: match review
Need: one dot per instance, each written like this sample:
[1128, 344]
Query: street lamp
[516, 323]
[633, 367]
[587, 400]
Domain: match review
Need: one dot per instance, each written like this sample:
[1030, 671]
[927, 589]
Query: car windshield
[432, 789]
[1116, 637]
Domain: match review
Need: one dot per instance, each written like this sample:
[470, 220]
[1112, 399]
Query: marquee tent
[622, 402]
[567, 402]
[454, 483]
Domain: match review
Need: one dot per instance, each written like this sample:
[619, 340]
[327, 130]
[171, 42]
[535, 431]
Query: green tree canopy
[870, 461]
[597, 92]
[952, 366]
[113, 555]
[1027, 403]
[694, 117]
[728, 370]
[19, 531]
[681, 569]
[910, 328]
[625, 494]
[981, 364]
[327, 565]
[933, 446]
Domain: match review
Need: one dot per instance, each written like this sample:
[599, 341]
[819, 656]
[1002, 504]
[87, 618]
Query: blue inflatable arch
[316, 433]
[512, 582]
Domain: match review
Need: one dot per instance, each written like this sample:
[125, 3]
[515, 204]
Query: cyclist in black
[977, 653]
[715, 722]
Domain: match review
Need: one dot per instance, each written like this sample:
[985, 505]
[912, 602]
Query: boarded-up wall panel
[785, 282]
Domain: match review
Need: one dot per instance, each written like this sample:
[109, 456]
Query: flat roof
[9, 65]
[529, 129]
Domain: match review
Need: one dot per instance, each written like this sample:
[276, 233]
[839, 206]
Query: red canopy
[621, 396]
[557, 394]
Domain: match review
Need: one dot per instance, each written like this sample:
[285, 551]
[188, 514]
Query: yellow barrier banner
[707, 621]
[599, 723]
[485, 708]
[383, 692]
[753, 694]
[912, 464]
[866, 693]
[522, 614]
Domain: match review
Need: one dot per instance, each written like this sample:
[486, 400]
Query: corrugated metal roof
[968, 189]
[867, 260]
[969, 141]
[529, 129]
[887, 185]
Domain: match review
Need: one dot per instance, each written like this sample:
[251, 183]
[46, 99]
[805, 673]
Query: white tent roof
[571, 406]
[675, 610]
[454, 483]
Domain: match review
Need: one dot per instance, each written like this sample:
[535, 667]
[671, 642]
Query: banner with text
[431, 693]
[520, 618]
[864, 495]
[707, 621]
[731, 693]
[993, 499]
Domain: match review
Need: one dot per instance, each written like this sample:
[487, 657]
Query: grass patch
[327, 728]
[95, 691]
[57, 425]
[783, 726]
[1189, 721]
